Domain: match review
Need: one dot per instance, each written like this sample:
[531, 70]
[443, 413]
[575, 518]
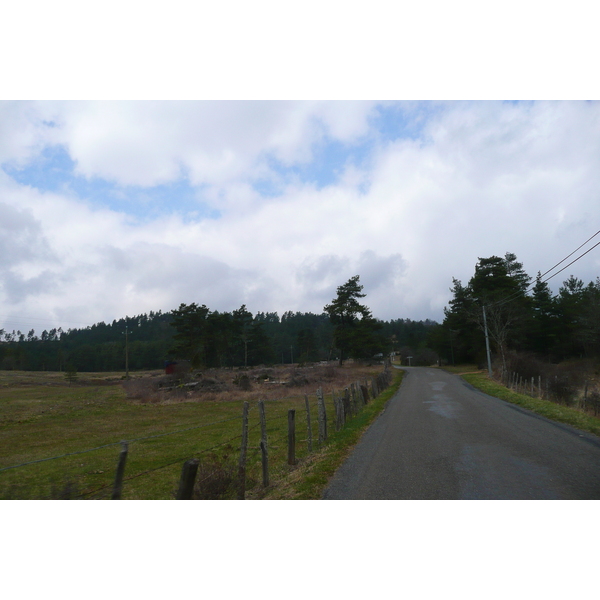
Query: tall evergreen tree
[354, 326]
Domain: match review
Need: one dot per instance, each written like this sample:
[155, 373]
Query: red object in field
[170, 367]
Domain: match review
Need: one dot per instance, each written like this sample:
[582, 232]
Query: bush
[593, 401]
[425, 358]
[216, 480]
[562, 390]
[526, 365]
[243, 382]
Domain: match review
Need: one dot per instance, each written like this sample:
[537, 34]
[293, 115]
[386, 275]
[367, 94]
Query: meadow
[61, 439]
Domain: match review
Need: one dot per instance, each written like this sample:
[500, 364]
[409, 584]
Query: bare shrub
[298, 378]
[243, 382]
[526, 365]
[329, 372]
[562, 390]
[593, 402]
[563, 383]
[216, 479]
[227, 385]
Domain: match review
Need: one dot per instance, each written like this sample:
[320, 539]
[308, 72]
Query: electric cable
[518, 293]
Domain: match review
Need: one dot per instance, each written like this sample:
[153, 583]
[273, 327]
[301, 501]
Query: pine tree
[354, 326]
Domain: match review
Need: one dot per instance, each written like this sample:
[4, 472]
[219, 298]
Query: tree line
[210, 338]
[521, 314]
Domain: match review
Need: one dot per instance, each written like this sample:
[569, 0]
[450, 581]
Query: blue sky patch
[391, 122]
[53, 171]
[330, 158]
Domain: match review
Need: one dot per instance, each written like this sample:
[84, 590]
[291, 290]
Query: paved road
[439, 438]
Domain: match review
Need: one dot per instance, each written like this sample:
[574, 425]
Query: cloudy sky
[110, 208]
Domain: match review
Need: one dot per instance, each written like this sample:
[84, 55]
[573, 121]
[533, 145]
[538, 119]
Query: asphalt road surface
[439, 438]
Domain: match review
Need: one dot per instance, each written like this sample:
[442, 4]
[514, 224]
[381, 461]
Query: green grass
[39, 422]
[546, 408]
[42, 416]
[308, 480]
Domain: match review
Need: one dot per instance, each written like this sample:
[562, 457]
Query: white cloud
[25, 129]
[483, 179]
[149, 143]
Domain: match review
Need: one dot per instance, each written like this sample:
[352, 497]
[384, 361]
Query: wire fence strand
[150, 437]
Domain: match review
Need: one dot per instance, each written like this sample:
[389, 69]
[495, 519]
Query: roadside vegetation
[574, 413]
[309, 480]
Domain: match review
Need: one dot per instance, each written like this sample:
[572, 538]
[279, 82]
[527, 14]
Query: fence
[555, 388]
[270, 438]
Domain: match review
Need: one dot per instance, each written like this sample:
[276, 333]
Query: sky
[114, 208]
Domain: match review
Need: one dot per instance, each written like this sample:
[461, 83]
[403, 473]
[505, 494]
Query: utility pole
[487, 342]
[126, 350]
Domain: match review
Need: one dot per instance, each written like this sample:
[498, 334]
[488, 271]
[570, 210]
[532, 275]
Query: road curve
[439, 438]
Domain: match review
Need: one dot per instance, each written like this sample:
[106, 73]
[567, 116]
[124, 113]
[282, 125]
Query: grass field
[42, 416]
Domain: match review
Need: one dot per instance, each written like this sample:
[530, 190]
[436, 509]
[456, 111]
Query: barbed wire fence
[271, 443]
[554, 388]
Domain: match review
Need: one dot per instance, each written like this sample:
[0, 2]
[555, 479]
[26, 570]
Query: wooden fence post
[308, 423]
[360, 393]
[347, 405]
[291, 437]
[338, 410]
[322, 415]
[118, 485]
[365, 392]
[243, 453]
[355, 407]
[187, 480]
[264, 450]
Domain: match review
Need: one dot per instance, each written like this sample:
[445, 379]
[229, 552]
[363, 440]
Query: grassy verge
[550, 410]
[308, 480]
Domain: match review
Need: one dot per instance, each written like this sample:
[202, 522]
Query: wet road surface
[439, 438]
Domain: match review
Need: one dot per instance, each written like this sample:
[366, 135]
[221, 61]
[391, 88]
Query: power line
[565, 258]
[548, 279]
[518, 293]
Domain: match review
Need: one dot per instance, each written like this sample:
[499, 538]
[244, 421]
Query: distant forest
[225, 340]
[521, 314]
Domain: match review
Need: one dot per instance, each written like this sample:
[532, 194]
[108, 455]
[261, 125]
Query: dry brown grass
[238, 385]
